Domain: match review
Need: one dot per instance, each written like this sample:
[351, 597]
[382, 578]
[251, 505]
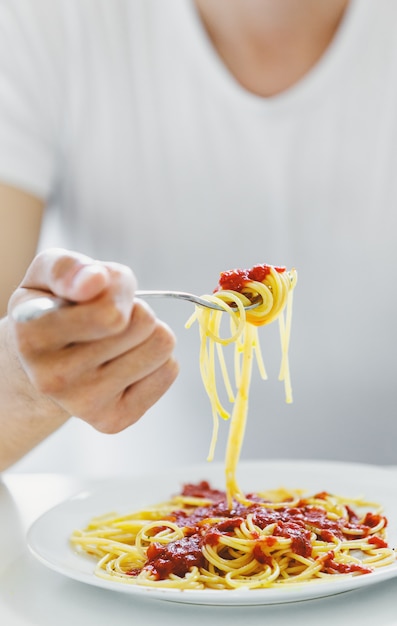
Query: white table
[32, 594]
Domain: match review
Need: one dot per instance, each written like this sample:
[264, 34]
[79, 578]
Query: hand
[106, 359]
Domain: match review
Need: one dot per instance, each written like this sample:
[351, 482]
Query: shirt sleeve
[30, 93]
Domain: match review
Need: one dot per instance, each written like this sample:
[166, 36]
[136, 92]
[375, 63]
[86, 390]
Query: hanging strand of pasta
[212, 342]
[285, 333]
[271, 289]
[239, 416]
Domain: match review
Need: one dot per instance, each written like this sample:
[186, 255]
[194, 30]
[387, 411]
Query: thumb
[67, 274]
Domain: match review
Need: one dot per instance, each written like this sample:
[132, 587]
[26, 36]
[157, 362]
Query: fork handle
[37, 307]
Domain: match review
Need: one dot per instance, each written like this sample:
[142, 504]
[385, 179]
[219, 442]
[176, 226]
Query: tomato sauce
[235, 280]
[206, 525]
[176, 557]
[330, 566]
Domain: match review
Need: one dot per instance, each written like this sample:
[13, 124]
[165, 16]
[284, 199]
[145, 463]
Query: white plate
[48, 538]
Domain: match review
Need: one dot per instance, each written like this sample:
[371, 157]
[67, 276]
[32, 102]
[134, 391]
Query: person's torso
[170, 166]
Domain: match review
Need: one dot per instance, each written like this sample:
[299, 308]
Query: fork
[36, 307]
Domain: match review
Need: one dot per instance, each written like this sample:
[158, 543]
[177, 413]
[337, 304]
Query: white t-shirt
[121, 115]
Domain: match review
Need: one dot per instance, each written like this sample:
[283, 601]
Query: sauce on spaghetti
[237, 279]
[297, 523]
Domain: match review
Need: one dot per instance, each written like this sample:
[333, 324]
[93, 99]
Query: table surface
[30, 593]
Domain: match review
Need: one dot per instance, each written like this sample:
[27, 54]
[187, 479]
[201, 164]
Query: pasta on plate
[195, 541]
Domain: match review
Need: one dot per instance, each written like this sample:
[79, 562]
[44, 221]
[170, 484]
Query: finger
[36, 305]
[133, 401]
[89, 393]
[84, 335]
[133, 365]
[80, 378]
[50, 371]
[67, 274]
[106, 315]
[143, 325]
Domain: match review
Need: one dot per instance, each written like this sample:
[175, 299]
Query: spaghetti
[271, 288]
[195, 541]
[206, 538]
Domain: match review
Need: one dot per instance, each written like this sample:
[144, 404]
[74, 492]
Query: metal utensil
[36, 307]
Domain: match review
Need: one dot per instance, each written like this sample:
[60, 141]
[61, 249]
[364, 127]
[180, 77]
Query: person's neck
[268, 45]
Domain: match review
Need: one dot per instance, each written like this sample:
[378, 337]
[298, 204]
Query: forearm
[26, 416]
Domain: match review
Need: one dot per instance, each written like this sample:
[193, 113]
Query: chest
[157, 148]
